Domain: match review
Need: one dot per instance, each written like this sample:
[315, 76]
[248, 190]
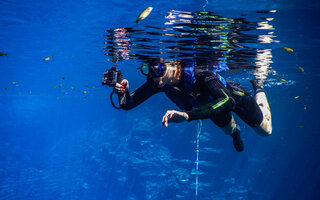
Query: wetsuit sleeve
[222, 101]
[128, 101]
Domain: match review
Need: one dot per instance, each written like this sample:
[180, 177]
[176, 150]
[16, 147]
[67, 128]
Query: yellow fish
[287, 49]
[301, 68]
[283, 80]
[144, 14]
[48, 58]
[296, 97]
[85, 92]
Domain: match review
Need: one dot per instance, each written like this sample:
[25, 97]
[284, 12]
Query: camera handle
[116, 78]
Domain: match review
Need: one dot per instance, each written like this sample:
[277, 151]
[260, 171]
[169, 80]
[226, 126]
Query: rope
[204, 6]
[197, 161]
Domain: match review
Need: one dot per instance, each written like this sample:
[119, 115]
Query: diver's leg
[265, 127]
[228, 125]
[263, 61]
[229, 129]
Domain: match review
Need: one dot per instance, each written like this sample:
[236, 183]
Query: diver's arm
[222, 100]
[128, 101]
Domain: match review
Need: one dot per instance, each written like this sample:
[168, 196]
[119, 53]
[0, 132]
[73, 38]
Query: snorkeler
[200, 93]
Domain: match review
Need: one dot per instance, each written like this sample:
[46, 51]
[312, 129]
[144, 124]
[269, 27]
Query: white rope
[204, 6]
[197, 161]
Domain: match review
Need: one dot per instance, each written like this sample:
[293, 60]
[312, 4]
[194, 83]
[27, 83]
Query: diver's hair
[173, 70]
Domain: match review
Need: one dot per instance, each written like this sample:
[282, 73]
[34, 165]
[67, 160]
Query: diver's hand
[174, 116]
[122, 87]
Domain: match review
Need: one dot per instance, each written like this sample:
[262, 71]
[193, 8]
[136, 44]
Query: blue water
[60, 138]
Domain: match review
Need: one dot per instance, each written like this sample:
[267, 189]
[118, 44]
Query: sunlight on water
[204, 37]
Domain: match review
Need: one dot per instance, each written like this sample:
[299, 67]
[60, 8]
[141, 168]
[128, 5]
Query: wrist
[186, 115]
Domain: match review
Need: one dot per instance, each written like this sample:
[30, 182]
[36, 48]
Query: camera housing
[112, 76]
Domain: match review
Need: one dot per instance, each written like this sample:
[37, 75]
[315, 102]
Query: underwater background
[60, 137]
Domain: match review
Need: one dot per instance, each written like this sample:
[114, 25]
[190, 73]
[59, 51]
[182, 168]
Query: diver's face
[169, 77]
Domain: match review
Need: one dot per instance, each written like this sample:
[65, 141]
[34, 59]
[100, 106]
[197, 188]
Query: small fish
[3, 54]
[301, 68]
[197, 150]
[305, 108]
[300, 126]
[48, 58]
[94, 86]
[283, 80]
[61, 85]
[307, 88]
[5, 88]
[14, 83]
[296, 97]
[54, 86]
[63, 78]
[287, 49]
[144, 14]
[73, 88]
[85, 92]
[66, 93]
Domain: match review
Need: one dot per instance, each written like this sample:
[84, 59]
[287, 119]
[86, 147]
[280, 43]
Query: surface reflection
[200, 37]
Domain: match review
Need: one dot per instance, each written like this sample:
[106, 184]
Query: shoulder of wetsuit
[200, 73]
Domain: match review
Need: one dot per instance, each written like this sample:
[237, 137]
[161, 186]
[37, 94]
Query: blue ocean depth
[60, 137]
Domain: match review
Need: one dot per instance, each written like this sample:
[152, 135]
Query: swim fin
[237, 141]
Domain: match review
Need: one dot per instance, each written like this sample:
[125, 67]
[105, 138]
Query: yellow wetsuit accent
[223, 101]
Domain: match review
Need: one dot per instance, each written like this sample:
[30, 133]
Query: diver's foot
[237, 141]
[257, 85]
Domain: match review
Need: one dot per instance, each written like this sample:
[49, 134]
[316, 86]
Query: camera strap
[112, 101]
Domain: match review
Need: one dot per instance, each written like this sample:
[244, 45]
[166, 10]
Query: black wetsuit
[208, 97]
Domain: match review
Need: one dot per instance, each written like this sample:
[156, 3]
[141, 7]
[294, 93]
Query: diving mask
[153, 71]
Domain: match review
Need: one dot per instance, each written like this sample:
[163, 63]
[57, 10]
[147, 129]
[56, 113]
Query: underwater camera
[111, 77]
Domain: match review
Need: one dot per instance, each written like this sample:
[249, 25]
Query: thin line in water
[197, 162]
[204, 6]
